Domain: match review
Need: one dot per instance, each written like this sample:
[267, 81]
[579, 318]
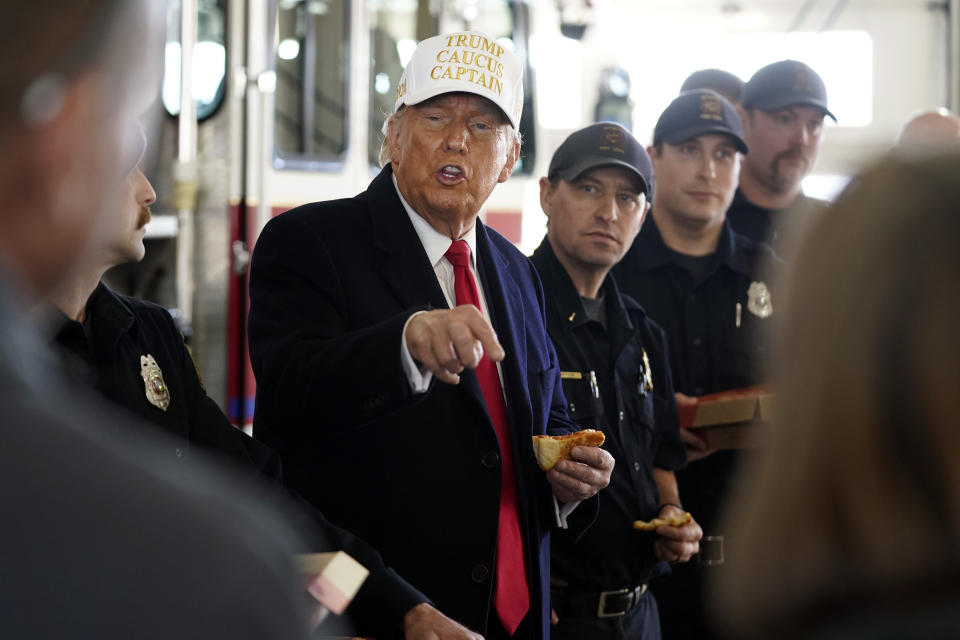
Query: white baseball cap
[464, 61]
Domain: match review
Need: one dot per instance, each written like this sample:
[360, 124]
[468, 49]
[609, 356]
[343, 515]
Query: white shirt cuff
[418, 376]
[563, 512]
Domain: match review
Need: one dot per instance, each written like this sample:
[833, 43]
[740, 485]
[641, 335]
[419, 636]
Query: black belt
[605, 604]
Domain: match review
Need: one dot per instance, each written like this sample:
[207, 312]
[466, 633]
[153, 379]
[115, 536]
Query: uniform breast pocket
[745, 353]
[583, 396]
[642, 408]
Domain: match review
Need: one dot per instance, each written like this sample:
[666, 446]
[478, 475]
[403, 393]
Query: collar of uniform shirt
[730, 249]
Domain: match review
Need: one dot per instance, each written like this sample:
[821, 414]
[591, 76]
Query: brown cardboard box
[730, 419]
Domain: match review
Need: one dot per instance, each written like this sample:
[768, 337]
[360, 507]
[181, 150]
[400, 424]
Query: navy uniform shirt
[716, 341]
[603, 372]
[770, 226]
[104, 352]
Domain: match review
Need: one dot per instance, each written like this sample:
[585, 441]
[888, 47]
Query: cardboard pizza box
[731, 419]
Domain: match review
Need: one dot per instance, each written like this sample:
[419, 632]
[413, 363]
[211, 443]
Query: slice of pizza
[672, 521]
[552, 449]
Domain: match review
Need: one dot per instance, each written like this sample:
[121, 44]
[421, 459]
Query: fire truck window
[209, 59]
[310, 103]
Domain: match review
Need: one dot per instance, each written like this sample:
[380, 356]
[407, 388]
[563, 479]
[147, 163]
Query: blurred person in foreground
[101, 538]
[782, 109]
[848, 526]
[616, 378]
[402, 357]
[113, 343]
[929, 131]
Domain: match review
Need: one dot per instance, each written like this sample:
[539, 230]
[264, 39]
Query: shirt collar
[434, 242]
[652, 252]
[565, 294]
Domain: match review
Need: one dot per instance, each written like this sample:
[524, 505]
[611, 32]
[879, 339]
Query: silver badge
[759, 302]
[156, 389]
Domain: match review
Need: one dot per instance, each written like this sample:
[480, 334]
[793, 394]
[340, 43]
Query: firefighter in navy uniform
[132, 352]
[702, 283]
[616, 377]
[783, 108]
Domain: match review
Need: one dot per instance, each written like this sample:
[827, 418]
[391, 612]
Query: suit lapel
[508, 315]
[506, 310]
[405, 267]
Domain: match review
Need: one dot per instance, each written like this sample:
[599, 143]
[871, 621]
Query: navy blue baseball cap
[723, 82]
[785, 84]
[696, 113]
[600, 145]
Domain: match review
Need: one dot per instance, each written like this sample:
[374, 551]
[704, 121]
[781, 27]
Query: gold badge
[156, 389]
[710, 108]
[646, 375]
[614, 136]
[759, 302]
[802, 81]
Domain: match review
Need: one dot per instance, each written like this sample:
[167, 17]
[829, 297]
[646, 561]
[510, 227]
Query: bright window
[209, 59]
[844, 59]
[310, 103]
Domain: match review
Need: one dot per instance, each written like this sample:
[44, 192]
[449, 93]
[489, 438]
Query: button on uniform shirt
[716, 342]
[771, 226]
[640, 423]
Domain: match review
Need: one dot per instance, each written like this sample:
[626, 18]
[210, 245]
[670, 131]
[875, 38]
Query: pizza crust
[672, 521]
[552, 449]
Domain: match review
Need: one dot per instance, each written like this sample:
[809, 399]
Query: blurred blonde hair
[857, 491]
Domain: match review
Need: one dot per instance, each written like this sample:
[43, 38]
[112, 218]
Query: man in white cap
[403, 361]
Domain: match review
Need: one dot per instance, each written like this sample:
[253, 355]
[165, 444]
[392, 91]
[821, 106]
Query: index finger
[483, 332]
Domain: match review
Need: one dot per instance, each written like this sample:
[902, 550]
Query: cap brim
[791, 102]
[574, 171]
[682, 135]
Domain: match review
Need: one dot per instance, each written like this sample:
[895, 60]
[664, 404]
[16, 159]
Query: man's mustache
[143, 217]
[792, 153]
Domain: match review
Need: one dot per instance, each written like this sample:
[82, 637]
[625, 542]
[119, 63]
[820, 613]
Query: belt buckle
[601, 613]
[711, 551]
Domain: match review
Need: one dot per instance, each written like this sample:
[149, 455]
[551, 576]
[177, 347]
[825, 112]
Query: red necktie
[510, 595]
